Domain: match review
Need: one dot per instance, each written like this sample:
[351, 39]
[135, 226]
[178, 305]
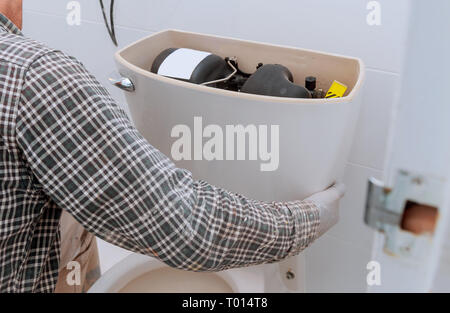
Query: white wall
[336, 262]
[421, 142]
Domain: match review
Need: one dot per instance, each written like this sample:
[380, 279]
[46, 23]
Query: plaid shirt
[66, 145]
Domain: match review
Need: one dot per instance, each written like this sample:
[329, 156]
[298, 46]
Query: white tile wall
[338, 261]
[329, 25]
[376, 116]
[350, 227]
[88, 42]
[333, 265]
[422, 134]
[442, 279]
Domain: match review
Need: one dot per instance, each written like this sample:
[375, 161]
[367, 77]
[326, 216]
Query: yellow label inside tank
[337, 90]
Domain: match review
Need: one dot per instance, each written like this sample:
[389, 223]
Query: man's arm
[92, 162]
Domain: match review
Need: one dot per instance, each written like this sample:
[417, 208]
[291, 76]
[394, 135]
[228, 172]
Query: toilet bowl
[142, 274]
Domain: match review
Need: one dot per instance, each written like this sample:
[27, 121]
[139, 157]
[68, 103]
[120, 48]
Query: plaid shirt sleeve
[91, 161]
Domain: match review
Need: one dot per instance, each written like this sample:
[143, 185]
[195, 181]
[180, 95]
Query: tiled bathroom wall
[336, 262]
[420, 145]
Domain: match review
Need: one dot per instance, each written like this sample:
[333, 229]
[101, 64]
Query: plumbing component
[220, 80]
[200, 67]
[208, 69]
[290, 274]
[274, 80]
[121, 82]
[311, 84]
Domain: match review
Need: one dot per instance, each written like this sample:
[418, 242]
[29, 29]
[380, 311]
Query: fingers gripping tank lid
[190, 65]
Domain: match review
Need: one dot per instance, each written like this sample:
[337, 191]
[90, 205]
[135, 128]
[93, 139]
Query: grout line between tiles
[381, 170]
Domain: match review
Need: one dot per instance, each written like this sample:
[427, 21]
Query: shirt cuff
[306, 216]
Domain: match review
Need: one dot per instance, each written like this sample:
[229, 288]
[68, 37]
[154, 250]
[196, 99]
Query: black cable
[111, 29]
[111, 18]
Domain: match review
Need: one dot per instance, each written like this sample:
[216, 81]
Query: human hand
[328, 203]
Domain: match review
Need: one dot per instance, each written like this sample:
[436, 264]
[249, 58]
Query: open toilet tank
[315, 135]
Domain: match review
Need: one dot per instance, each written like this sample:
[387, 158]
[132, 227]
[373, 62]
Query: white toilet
[315, 140]
[141, 274]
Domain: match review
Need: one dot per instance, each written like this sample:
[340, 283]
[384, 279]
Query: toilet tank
[314, 135]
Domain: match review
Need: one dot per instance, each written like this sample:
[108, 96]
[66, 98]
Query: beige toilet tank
[312, 137]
